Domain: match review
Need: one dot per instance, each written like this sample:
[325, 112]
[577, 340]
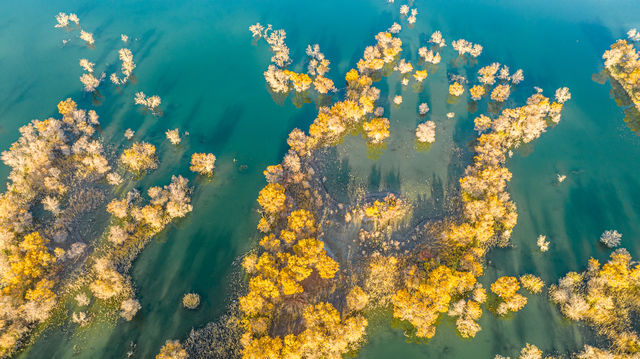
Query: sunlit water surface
[198, 56]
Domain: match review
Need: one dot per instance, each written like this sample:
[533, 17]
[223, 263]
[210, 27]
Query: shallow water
[198, 56]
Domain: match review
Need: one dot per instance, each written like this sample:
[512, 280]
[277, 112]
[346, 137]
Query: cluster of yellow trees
[510, 301]
[51, 163]
[150, 103]
[335, 121]
[487, 77]
[376, 130]
[428, 58]
[287, 281]
[203, 163]
[287, 312]
[57, 165]
[376, 57]
[623, 63]
[318, 66]
[88, 79]
[427, 293]
[467, 312]
[279, 78]
[605, 296]
[477, 91]
[387, 211]
[463, 47]
[140, 157]
[432, 55]
[487, 220]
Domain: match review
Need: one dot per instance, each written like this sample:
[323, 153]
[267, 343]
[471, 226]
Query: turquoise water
[198, 56]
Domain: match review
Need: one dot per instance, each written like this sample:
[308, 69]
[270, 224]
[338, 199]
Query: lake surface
[199, 57]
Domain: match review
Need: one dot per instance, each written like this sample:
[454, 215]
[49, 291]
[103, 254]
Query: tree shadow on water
[375, 179]
[224, 127]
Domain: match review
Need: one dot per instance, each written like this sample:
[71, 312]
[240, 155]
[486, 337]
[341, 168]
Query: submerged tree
[126, 57]
[87, 37]
[173, 136]
[64, 18]
[506, 288]
[90, 82]
[377, 130]
[129, 308]
[456, 89]
[172, 349]
[542, 243]
[426, 132]
[140, 157]
[151, 103]
[191, 300]
[611, 238]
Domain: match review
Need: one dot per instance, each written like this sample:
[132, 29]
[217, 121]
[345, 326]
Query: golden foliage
[66, 107]
[420, 75]
[191, 300]
[300, 82]
[390, 209]
[203, 163]
[456, 89]
[622, 62]
[477, 92]
[301, 221]
[272, 198]
[141, 156]
[482, 122]
[500, 93]
[263, 225]
[532, 283]
[27, 267]
[323, 85]
[357, 299]
[381, 279]
[172, 349]
[377, 129]
[292, 276]
[506, 288]
[422, 303]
